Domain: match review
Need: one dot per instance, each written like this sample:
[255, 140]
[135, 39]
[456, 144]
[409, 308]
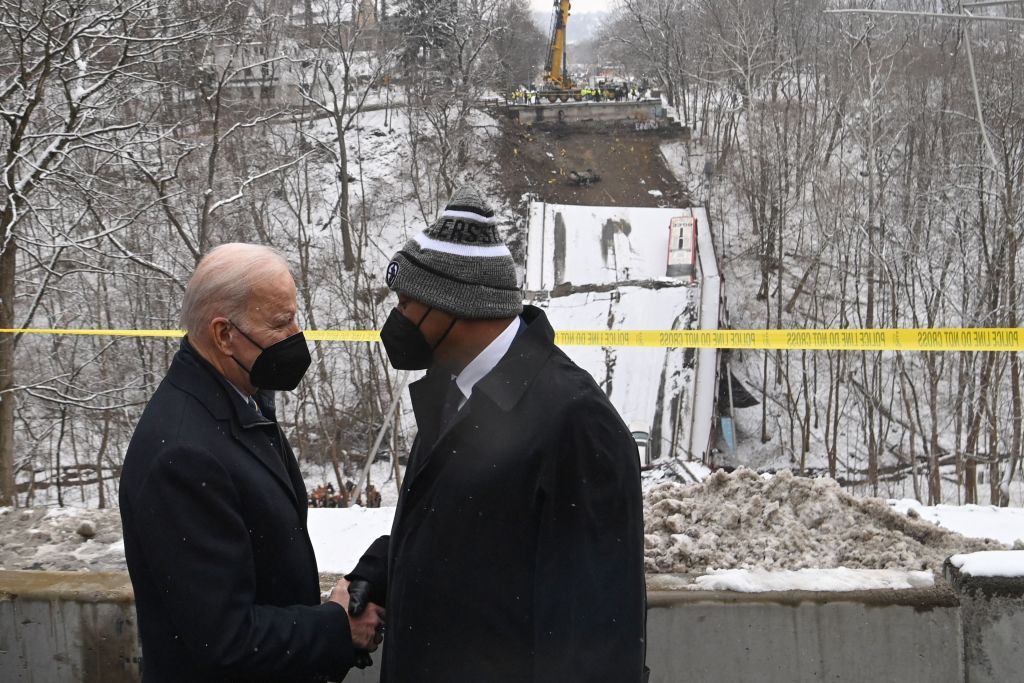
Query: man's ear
[220, 334]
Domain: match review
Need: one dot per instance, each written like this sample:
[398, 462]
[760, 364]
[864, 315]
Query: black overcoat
[516, 553]
[214, 513]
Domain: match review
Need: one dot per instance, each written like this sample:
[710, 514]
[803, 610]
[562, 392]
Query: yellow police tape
[938, 339]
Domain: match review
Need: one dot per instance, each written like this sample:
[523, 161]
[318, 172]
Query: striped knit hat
[459, 264]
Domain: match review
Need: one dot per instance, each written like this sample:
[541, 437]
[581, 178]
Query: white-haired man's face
[270, 317]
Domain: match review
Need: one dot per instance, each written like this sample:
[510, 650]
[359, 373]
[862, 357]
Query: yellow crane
[557, 76]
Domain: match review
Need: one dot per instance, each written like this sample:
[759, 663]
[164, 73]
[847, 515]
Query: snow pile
[65, 539]
[744, 521]
[740, 531]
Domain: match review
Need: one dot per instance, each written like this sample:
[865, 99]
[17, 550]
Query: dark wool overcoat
[516, 553]
[214, 512]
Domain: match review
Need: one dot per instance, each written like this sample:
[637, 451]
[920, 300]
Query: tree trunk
[994, 446]
[8, 261]
[1015, 378]
[1015, 442]
[344, 221]
[974, 430]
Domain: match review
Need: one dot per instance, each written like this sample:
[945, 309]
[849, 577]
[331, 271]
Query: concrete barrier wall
[788, 637]
[58, 627]
[645, 115]
[67, 626]
[992, 610]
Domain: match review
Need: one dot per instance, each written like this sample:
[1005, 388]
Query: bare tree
[350, 61]
[68, 73]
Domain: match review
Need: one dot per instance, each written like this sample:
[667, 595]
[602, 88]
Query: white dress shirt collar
[245, 396]
[486, 360]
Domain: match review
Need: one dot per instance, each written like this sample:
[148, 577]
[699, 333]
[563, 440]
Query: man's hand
[339, 594]
[367, 627]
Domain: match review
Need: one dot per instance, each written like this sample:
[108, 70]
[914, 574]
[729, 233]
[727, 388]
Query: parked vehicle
[682, 248]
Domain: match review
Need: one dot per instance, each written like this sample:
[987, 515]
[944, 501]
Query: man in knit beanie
[516, 553]
[460, 264]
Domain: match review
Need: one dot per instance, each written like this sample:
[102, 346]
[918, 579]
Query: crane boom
[557, 75]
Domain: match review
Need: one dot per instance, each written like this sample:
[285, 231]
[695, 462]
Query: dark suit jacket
[516, 554]
[214, 512]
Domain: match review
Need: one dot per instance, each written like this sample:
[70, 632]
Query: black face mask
[280, 366]
[405, 344]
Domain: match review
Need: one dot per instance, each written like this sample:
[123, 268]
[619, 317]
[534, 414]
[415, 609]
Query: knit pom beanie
[460, 263]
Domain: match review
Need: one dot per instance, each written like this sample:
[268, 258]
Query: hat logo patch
[392, 273]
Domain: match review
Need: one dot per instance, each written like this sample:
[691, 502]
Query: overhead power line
[935, 15]
[992, 3]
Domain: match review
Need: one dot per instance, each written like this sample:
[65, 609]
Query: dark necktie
[450, 409]
[276, 440]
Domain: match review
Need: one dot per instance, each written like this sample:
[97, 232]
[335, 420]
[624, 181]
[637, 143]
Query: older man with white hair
[212, 501]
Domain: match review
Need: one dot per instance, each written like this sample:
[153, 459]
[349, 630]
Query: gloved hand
[358, 599]
[358, 596]
[363, 659]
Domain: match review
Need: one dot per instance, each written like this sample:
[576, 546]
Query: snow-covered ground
[1005, 525]
[340, 535]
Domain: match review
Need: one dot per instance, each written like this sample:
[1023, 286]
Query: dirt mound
[744, 521]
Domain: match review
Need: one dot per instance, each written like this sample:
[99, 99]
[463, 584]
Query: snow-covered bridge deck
[603, 267]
